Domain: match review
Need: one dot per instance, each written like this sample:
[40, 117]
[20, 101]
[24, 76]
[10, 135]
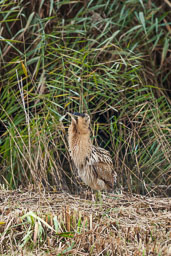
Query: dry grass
[61, 224]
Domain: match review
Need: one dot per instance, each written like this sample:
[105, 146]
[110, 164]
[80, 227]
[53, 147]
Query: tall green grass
[108, 58]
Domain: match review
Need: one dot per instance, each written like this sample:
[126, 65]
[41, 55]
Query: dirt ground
[42, 223]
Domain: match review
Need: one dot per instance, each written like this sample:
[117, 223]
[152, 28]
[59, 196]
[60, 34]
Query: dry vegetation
[111, 59]
[63, 224]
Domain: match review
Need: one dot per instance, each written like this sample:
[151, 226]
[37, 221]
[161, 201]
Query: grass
[63, 224]
[109, 59]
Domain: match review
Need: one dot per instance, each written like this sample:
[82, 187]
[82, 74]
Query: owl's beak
[73, 117]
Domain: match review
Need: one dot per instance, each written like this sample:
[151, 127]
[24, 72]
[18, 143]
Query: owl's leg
[99, 199]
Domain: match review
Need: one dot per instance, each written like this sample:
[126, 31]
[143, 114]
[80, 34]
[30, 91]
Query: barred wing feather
[100, 155]
[102, 165]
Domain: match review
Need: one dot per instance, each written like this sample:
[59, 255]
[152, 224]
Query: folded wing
[102, 165]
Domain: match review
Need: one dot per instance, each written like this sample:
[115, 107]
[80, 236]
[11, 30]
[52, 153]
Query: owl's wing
[101, 162]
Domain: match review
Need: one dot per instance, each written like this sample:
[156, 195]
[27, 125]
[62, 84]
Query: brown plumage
[94, 164]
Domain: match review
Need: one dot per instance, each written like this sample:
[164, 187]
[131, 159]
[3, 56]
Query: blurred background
[110, 59]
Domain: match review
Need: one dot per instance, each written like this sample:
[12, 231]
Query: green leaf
[165, 50]
[141, 16]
